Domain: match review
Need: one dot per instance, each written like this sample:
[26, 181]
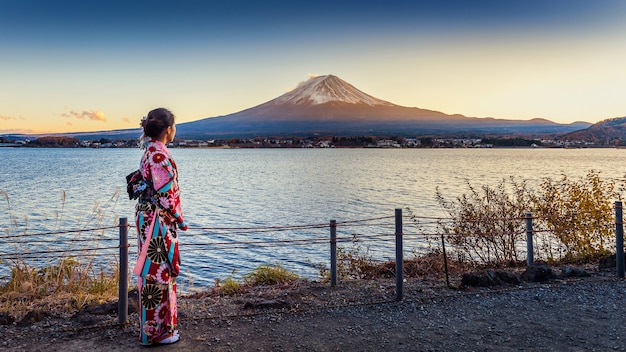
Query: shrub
[228, 287]
[486, 224]
[356, 262]
[269, 275]
[579, 213]
[482, 225]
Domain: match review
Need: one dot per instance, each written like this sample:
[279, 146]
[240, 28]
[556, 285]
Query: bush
[579, 213]
[269, 275]
[482, 224]
[356, 262]
[487, 224]
[228, 287]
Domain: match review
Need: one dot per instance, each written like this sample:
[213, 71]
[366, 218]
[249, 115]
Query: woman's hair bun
[156, 122]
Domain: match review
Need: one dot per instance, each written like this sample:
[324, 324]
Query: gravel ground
[578, 314]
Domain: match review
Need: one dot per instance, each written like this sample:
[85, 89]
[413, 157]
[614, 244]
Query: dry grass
[64, 287]
[63, 283]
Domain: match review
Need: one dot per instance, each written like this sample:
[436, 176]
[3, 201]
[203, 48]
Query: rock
[490, 278]
[476, 280]
[6, 319]
[32, 317]
[133, 301]
[267, 304]
[608, 262]
[537, 272]
[101, 309]
[85, 319]
[507, 277]
[574, 272]
[111, 307]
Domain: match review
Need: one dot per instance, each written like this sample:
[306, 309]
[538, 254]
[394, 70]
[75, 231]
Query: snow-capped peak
[325, 89]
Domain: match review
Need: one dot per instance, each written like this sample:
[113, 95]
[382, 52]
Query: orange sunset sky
[84, 66]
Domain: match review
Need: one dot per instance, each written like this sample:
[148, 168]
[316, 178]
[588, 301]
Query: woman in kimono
[158, 217]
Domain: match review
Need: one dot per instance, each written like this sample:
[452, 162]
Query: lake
[232, 197]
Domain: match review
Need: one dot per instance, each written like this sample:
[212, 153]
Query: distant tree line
[55, 142]
[360, 141]
[511, 142]
[320, 141]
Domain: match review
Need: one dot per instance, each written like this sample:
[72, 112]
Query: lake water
[232, 197]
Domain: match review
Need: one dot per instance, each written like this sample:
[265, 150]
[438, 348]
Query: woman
[158, 216]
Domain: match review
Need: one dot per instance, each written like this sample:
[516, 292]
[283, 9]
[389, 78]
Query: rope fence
[48, 239]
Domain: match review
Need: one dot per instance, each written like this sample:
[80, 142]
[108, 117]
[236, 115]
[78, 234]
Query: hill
[606, 132]
[332, 106]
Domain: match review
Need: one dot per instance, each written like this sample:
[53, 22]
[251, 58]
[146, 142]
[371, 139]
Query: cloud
[7, 118]
[86, 115]
[125, 119]
[311, 75]
[18, 131]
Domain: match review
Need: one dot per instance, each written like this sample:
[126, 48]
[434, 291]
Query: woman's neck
[162, 140]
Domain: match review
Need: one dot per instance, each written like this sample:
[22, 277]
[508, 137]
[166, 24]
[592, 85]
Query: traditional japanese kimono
[158, 202]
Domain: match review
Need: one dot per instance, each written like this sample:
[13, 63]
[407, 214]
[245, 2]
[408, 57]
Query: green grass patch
[269, 275]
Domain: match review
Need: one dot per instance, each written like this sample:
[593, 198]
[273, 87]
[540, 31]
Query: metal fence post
[333, 253]
[445, 260]
[122, 303]
[399, 256]
[619, 240]
[529, 239]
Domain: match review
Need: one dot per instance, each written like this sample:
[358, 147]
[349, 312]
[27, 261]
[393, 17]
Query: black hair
[156, 122]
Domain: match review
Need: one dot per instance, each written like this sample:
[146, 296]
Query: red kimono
[159, 202]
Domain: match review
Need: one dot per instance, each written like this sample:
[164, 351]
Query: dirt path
[567, 315]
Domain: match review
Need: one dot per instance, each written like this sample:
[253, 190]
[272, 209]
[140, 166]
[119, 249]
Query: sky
[77, 66]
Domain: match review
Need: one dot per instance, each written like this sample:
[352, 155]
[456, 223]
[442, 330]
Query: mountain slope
[326, 89]
[329, 105]
[603, 132]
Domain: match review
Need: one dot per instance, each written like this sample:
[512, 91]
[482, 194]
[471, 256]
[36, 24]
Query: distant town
[311, 142]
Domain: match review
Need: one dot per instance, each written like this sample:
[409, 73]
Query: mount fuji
[328, 105]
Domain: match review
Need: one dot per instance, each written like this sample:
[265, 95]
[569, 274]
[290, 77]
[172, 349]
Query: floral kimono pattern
[158, 203]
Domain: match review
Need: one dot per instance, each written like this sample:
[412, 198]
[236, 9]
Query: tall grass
[68, 279]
